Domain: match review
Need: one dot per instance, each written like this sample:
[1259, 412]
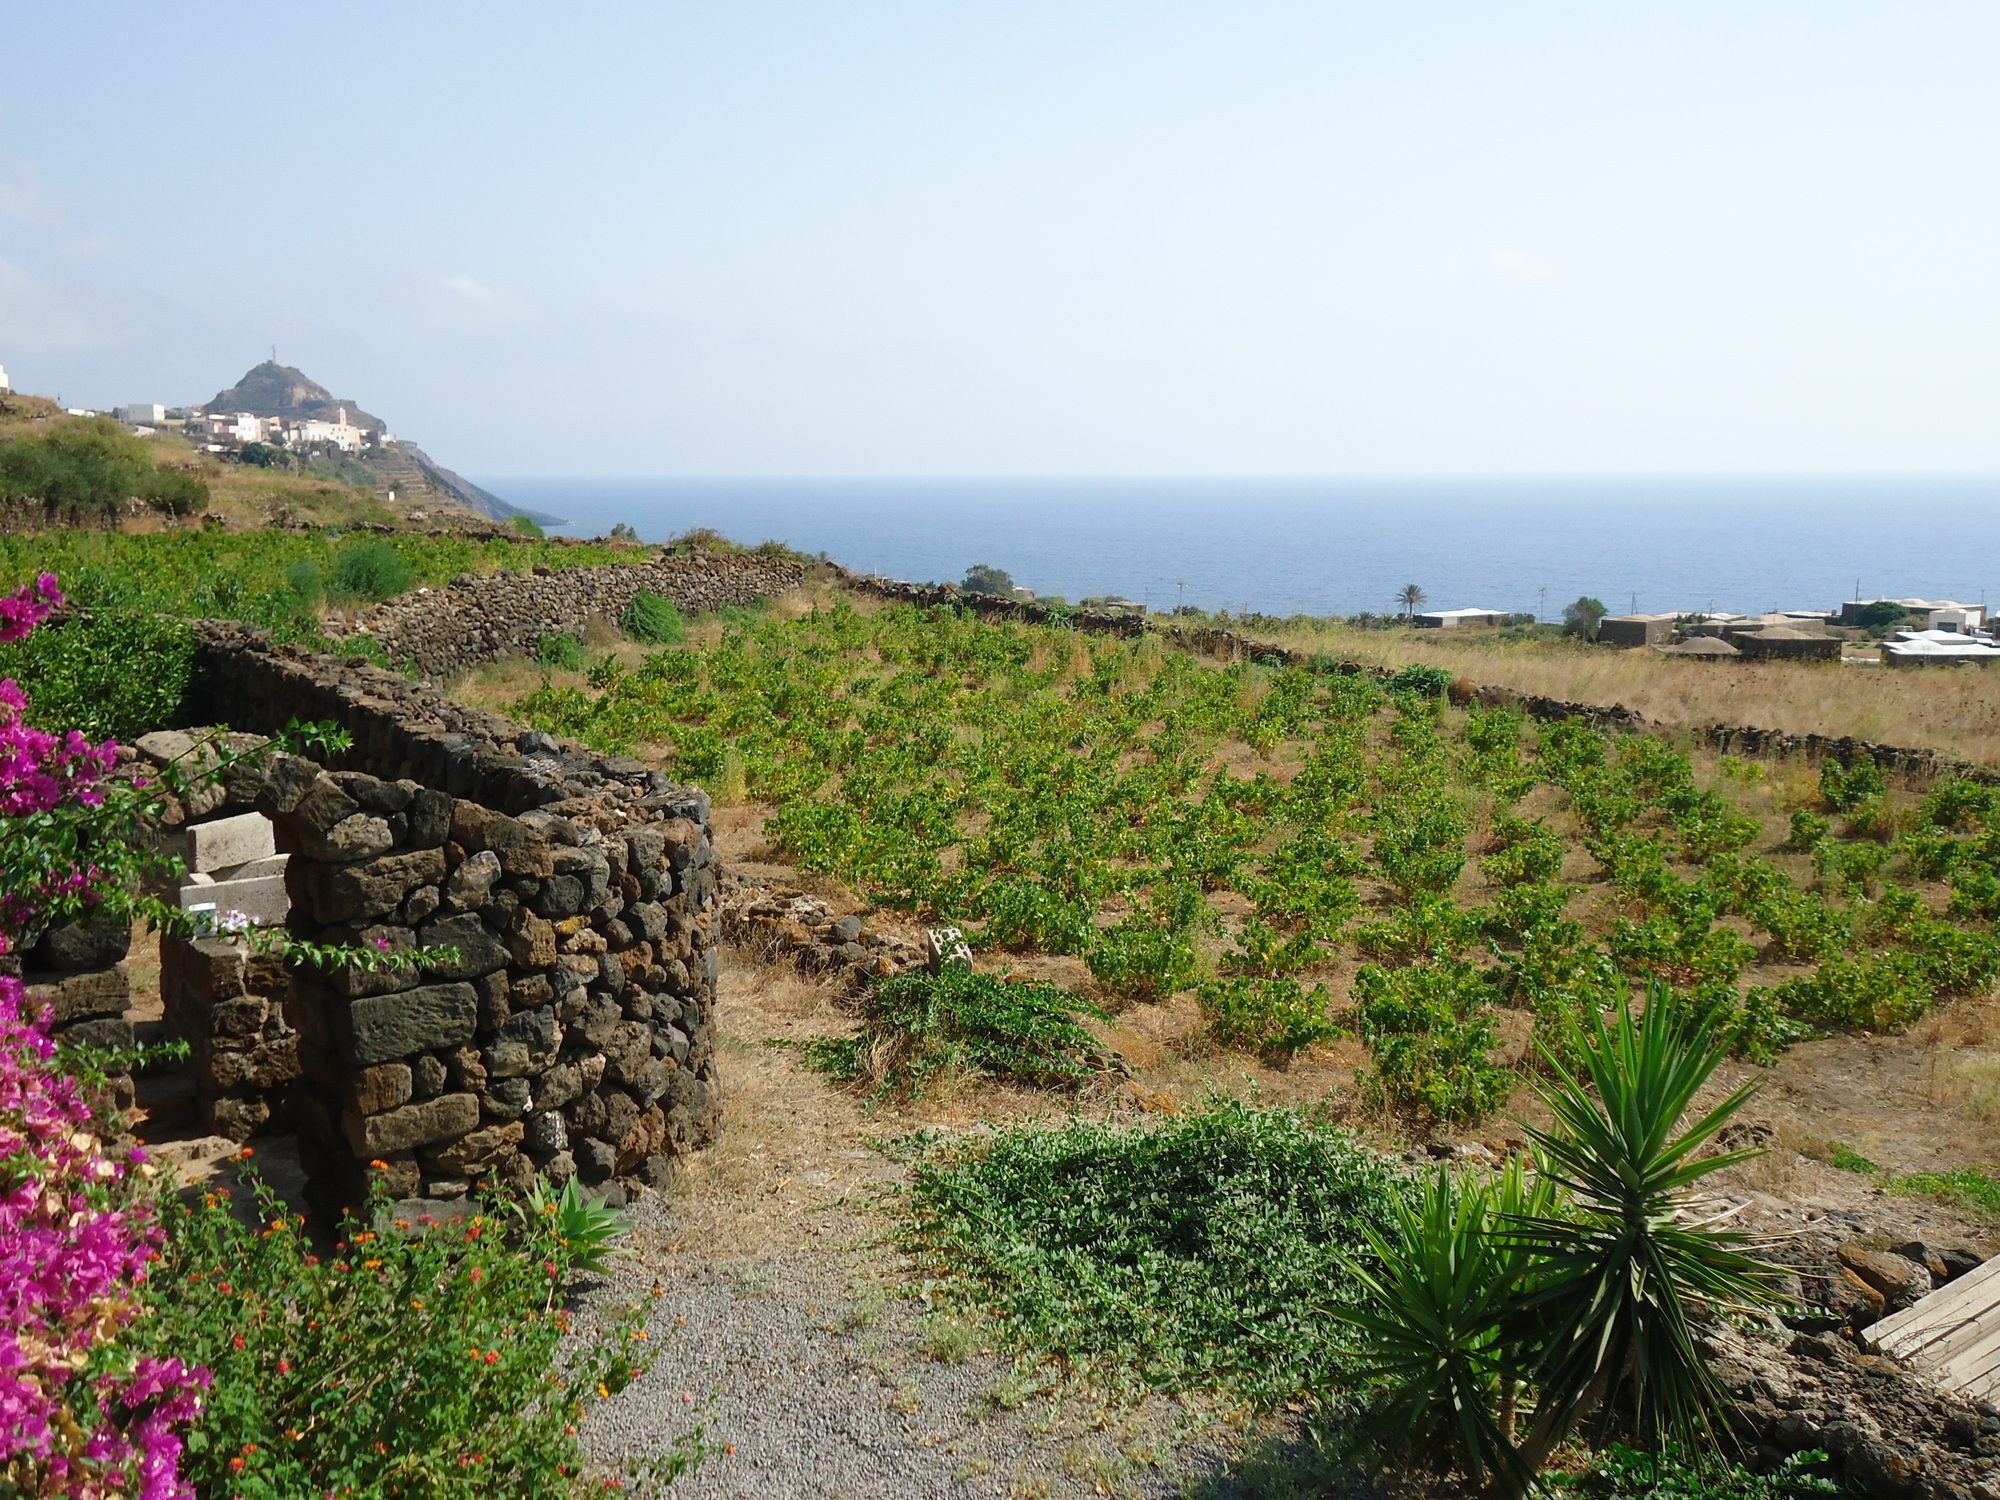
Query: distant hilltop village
[276, 409]
[219, 432]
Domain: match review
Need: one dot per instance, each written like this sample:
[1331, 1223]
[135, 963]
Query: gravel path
[824, 1383]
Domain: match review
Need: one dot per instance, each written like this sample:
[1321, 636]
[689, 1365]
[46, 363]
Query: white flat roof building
[1452, 619]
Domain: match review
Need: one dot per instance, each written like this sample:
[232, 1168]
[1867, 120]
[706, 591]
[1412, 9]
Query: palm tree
[1578, 1290]
[1411, 597]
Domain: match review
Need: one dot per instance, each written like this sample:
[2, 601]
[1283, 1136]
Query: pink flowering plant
[81, 1414]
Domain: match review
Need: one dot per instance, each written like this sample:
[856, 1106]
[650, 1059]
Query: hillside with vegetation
[63, 470]
[270, 389]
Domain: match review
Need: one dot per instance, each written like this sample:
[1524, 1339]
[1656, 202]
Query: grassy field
[1310, 857]
[1953, 710]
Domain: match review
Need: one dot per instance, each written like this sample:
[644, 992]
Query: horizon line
[1350, 476]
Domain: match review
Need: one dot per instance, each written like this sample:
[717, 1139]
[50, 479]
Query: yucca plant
[1576, 1286]
[1436, 1325]
[1622, 1274]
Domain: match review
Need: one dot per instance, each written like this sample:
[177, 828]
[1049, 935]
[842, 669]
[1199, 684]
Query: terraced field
[1312, 854]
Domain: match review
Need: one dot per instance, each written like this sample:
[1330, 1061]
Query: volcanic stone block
[480, 950]
[239, 1018]
[440, 1119]
[479, 1151]
[366, 890]
[382, 1028]
[196, 974]
[532, 941]
[526, 1044]
[96, 942]
[429, 820]
[109, 1031]
[267, 1066]
[382, 1087]
[230, 841]
[79, 997]
[522, 850]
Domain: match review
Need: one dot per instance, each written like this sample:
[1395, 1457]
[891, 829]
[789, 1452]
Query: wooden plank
[1913, 1327]
[1952, 1336]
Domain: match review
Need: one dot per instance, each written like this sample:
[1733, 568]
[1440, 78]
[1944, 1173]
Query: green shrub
[1872, 992]
[561, 649]
[920, 1027]
[1843, 788]
[1847, 1159]
[1141, 959]
[1959, 805]
[82, 472]
[1204, 1252]
[106, 674]
[525, 526]
[1524, 854]
[653, 620]
[399, 1361]
[1266, 1015]
[1851, 868]
[1809, 829]
[1429, 1033]
[367, 569]
[1622, 1473]
[1425, 682]
[303, 578]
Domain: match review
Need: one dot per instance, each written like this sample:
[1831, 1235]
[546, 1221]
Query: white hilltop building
[341, 433]
[4, 386]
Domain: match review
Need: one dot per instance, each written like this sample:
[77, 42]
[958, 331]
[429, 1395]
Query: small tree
[981, 578]
[1583, 617]
[1412, 598]
[1882, 614]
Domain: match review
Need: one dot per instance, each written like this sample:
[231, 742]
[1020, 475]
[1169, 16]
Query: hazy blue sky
[949, 238]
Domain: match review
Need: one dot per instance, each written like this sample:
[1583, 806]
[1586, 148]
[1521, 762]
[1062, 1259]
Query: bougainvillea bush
[81, 1413]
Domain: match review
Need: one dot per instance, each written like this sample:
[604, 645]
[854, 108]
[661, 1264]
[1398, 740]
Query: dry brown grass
[1955, 711]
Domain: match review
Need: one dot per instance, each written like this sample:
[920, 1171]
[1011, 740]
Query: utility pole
[1542, 607]
[1180, 599]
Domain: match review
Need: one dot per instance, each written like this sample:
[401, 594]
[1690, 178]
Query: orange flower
[379, 1165]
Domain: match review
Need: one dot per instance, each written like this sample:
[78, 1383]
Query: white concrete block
[262, 900]
[230, 841]
[256, 869]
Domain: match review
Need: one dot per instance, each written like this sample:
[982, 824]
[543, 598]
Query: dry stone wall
[480, 616]
[571, 1030]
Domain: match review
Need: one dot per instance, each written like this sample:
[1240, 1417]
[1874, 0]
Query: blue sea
[1341, 546]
